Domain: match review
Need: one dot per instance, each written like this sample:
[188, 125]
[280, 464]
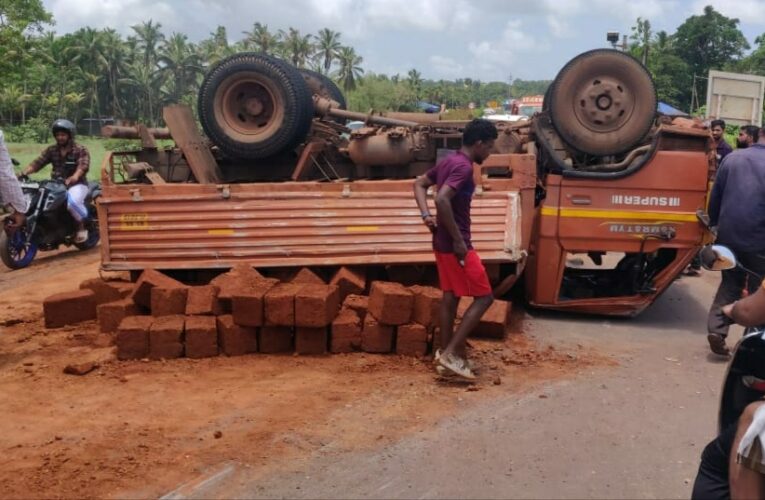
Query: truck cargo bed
[197, 226]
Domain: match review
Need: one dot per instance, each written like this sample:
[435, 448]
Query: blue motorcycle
[49, 224]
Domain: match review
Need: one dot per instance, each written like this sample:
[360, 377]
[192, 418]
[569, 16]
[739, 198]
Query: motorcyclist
[71, 162]
[732, 465]
[747, 470]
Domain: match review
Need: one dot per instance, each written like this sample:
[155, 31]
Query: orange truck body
[184, 226]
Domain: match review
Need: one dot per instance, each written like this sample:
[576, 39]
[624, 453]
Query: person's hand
[728, 310]
[71, 180]
[15, 221]
[460, 250]
[430, 223]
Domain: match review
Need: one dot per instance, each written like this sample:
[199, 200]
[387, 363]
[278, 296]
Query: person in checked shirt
[71, 162]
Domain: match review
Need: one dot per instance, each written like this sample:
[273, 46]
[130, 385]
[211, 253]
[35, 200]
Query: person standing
[735, 206]
[722, 148]
[71, 162]
[460, 271]
[12, 196]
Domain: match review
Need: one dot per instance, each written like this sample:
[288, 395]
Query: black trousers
[712, 479]
[731, 287]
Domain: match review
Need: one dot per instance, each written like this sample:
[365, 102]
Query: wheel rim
[249, 107]
[20, 250]
[602, 102]
[605, 104]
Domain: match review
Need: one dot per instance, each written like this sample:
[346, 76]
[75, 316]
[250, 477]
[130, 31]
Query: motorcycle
[49, 224]
[745, 377]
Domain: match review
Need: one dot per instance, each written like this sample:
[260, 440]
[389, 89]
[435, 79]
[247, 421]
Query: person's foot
[81, 236]
[456, 365]
[436, 355]
[717, 344]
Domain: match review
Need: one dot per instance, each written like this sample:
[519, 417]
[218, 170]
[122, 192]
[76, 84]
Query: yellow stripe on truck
[590, 213]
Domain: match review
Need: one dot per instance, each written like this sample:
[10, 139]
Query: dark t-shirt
[723, 148]
[736, 203]
[455, 171]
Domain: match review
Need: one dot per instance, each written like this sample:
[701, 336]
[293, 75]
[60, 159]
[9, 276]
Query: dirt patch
[142, 428]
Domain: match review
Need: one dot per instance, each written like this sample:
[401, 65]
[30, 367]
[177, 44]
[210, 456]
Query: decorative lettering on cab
[645, 201]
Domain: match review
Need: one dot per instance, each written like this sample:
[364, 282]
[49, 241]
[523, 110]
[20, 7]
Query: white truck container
[735, 97]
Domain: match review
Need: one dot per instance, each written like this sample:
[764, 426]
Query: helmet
[63, 125]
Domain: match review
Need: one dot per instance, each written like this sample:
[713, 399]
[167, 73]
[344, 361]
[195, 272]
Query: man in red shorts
[460, 270]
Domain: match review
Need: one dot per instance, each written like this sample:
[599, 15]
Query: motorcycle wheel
[15, 252]
[94, 236]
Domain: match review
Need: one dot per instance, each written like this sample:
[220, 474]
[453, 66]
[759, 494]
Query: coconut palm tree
[414, 79]
[179, 65]
[328, 45]
[350, 68]
[216, 47]
[296, 47]
[260, 39]
[150, 37]
[114, 63]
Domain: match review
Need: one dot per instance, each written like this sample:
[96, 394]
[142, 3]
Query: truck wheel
[323, 86]
[254, 106]
[603, 102]
[14, 251]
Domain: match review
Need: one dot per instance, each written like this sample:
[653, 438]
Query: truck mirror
[717, 258]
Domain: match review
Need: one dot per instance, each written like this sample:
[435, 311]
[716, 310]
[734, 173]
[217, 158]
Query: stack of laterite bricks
[242, 312]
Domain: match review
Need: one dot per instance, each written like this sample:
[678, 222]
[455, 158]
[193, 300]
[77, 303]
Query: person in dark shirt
[460, 271]
[718, 134]
[722, 149]
[736, 208]
[71, 162]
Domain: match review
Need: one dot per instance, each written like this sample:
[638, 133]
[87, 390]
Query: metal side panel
[202, 229]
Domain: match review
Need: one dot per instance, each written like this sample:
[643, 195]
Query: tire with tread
[323, 86]
[603, 102]
[279, 119]
[8, 259]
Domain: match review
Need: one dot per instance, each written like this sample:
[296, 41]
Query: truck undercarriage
[597, 176]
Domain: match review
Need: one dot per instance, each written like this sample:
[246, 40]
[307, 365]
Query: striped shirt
[78, 158]
[10, 190]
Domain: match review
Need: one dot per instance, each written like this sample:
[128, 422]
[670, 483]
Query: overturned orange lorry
[591, 206]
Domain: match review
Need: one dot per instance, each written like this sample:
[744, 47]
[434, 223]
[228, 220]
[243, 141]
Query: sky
[487, 40]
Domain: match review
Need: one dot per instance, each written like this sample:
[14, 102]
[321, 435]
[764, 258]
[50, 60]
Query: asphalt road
[633, 431]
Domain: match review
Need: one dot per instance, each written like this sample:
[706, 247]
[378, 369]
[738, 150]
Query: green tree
[260, 39]
[641, 39]
[24, 14]
[414, 79]
[380, 93]
[114, 64]
[296, 47]
[350, 68]
[328, 45]
[216, 47]
[754, 63]
[709, 41]
[149, 37]
[180, 65]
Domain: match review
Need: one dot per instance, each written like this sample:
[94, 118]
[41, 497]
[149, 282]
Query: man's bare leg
[744, 482]
[447, 312]
[469, 321]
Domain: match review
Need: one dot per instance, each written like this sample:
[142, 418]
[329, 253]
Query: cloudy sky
[481, 39]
